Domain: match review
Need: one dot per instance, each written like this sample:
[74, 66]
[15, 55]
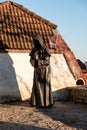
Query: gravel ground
[62, 116]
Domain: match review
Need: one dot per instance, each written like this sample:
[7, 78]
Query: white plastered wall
[16, 75]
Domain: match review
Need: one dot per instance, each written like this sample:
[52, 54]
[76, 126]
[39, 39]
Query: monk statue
[40, 59]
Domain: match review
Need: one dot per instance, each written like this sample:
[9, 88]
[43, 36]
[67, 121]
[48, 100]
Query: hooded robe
[40, 59]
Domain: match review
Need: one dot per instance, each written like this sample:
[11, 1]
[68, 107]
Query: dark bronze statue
[40, 59]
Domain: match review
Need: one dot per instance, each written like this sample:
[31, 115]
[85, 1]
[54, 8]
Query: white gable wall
[16, 75]
[60, 72]
[61, 76]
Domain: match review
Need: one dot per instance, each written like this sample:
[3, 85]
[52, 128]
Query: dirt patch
[62, 116]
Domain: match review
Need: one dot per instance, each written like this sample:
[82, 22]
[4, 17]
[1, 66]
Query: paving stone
[62, 116]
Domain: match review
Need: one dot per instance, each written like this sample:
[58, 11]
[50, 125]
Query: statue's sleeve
[34, 58]
[44, 63]
[32, 61]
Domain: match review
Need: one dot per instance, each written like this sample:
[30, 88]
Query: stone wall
[77, 94]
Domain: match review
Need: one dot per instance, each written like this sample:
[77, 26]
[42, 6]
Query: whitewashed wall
[61, 76]
[16, 76]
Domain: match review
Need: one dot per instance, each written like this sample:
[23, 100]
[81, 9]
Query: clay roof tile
[18, 25]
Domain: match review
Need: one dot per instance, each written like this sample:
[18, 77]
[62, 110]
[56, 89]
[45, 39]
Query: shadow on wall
[61, 94]
[9, 90]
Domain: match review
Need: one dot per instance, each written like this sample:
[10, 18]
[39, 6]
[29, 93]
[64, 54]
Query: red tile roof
[59, 43]
[18, 25]
[60, 46]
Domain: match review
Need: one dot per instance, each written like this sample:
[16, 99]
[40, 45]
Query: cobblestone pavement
[62, 116]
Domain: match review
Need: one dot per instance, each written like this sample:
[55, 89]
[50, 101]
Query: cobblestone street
[62, 116]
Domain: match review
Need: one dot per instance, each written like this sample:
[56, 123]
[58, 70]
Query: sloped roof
[61, 46]
[59, 43]
[18, 25]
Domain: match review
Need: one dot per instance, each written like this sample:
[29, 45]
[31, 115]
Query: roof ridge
[4, 2]
[32, 13]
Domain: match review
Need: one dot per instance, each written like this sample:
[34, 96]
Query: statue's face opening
[37, 44]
